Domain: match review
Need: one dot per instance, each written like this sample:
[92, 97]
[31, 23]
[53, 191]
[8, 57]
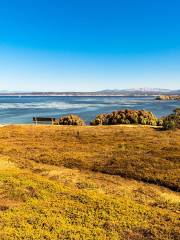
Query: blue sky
[77, 45]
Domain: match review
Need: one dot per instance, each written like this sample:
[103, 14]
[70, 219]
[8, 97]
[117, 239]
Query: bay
[15, 109]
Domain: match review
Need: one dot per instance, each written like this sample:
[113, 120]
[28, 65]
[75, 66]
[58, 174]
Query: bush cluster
[126, 117]
[70, 120]
[172, 121]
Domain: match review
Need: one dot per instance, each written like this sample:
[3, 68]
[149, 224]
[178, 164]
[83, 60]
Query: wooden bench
[37, 120]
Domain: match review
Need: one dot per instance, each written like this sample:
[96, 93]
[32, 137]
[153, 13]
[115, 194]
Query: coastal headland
[170, 97]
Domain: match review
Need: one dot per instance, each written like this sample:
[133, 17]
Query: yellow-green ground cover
[53, 186]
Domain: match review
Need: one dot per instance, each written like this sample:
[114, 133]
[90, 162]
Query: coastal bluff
[168, 97]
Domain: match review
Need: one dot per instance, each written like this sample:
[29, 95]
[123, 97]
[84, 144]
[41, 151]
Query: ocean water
[22, 109]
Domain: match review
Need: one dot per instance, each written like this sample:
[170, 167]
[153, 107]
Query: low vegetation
[126, 117]
[139, 152]
[172, 121]
[70, 120]
[53, 186]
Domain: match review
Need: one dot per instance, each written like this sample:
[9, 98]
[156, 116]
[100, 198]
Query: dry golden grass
[137, 152]
[49, 191]
[5, 163]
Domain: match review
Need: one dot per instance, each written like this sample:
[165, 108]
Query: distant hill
[106, 92]
[175, 92]
[141, 91]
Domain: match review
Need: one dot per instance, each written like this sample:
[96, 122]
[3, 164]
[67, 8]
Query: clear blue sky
[86, 45]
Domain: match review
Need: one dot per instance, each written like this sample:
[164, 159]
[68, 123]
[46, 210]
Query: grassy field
[105, 182]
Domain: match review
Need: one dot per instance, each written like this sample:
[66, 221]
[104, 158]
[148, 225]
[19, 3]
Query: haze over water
[23, 109]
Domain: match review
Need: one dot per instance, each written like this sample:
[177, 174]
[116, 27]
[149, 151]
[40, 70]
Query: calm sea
[22, 109]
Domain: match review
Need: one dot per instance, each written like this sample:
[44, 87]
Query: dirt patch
[5, 204]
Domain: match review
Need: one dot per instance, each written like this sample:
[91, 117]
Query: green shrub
[135, 120]
[160, 122]
[100, 119]
[71, 120]
[172, 121]
[126, 117]
[169, 125]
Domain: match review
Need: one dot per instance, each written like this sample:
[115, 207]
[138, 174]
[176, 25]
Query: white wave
[129, 101]
[106, 102]
[46, 105]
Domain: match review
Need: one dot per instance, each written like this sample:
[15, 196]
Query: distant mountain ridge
[107, 92]
[150, 91]
[138, 90]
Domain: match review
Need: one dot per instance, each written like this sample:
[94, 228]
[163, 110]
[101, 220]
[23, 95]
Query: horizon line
[145, 89]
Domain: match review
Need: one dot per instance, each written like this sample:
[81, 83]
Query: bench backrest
[43, 119]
